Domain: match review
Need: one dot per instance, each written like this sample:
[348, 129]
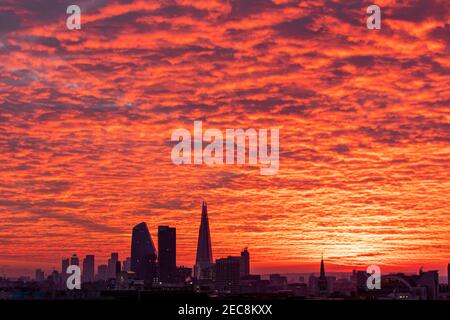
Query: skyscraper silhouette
[112, 262]
[143, 253]
[102, 272]
[64, 265]
[167, 253]
[227, 271]
[89, 268]
[74, 261]
[245, 263]
[65, 262]
[204, 259]
[126, 265]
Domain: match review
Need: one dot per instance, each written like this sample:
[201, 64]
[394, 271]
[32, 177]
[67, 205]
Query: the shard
[204, 259]
[143, 253]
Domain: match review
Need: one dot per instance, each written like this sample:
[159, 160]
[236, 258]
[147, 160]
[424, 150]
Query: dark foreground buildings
[245, 263]
[167, 254]
[88, 268]
[143, 253]
[149, 272]
[228, 274]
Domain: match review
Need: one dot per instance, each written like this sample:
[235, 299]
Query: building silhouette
[64, 265]
[430, 280]
[65, 262]
[167, 260]
[112, 265]
[322, 285]
[322, 282]
[143, 254]
[74, 261]
[126, 265]
[204, 258]
[245, 263]
[360, 277]
[88, 268]
[102, 272]
[228, 274]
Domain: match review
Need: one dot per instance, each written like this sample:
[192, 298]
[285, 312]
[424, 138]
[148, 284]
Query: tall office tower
[74, 261]
[88, 268]
[40, 276]
[143, 253]
[126, 265]
[322, 283]
[167, 255]
[245, 263]
[204, 259]
[102, 272]
[64, 265]
[227, 271]
[112, 262]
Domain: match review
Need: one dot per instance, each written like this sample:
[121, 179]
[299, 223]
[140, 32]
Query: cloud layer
[86, 119]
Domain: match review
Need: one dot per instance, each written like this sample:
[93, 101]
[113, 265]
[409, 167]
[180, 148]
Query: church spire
[322, 268]
[322, 282]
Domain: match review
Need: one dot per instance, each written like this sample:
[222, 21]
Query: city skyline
[147, 271]
[142, 248]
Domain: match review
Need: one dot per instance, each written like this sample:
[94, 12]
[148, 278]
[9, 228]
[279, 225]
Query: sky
[86, 118]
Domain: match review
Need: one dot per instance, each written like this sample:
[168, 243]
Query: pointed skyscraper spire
[204, 259]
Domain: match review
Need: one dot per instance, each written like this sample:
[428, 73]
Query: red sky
[364, 116]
